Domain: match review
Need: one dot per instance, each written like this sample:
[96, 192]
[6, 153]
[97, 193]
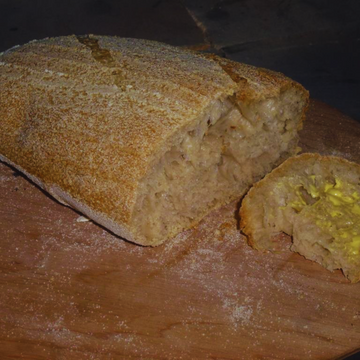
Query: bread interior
[320, 208]
[214, 161]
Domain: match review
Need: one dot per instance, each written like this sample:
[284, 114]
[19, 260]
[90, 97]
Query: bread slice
[316, 200]
[142, 137]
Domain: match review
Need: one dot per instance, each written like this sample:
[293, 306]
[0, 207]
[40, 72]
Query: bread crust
[90, 116]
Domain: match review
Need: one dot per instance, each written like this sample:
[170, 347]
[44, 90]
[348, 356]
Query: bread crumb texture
[316, 200]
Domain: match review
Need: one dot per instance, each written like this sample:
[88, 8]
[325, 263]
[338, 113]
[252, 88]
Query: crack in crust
[103, 56]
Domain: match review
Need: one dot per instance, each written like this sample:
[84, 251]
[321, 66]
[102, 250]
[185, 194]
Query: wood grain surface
[72, 290]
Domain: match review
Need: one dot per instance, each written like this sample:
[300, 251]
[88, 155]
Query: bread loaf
[316, 200]
[142, 137]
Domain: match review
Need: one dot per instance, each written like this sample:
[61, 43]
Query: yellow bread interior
[317, 201]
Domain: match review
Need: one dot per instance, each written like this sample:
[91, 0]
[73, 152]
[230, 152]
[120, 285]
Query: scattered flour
[78, 288]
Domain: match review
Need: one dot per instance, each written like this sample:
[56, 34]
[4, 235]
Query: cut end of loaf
[215, 160]
[314, 199]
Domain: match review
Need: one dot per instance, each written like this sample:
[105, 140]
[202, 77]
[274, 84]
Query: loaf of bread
[316, 200]
[142, 137]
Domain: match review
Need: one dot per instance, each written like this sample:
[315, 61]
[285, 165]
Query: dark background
[316, 42]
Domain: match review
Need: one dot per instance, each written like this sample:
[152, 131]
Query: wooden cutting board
[72, 290]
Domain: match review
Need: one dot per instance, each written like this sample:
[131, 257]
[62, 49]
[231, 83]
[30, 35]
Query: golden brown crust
[91, 115]
[258, 83]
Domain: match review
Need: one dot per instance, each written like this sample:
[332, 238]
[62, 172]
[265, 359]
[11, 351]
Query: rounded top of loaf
[96, 112]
